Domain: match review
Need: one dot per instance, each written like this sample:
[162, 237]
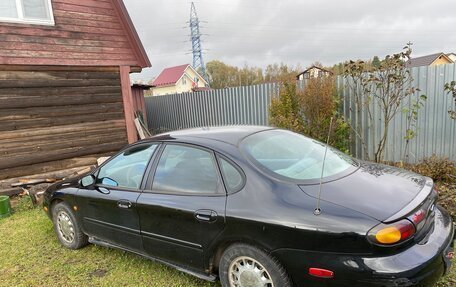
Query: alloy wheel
[65, 227]
[247, 272]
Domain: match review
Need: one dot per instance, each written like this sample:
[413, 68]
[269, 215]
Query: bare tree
[386, 87]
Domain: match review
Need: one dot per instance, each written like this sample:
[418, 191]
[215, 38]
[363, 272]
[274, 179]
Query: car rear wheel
[247, 266]
[67, 227]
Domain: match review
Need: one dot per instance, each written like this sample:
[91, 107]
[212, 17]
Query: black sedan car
[257, 206]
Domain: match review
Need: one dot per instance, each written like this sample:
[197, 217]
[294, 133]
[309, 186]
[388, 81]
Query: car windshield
[294, 156]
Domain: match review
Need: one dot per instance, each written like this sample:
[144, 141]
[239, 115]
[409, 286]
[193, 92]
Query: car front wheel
[67, 227]
[247, 266]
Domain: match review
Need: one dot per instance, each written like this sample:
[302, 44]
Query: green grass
[450, 279]
[30, 255]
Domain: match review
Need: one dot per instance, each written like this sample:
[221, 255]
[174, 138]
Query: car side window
[126, 169]
[234, 179]
[185, 169]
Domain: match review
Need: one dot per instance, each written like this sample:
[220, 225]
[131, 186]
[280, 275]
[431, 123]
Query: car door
[109, 207]
[183, 210]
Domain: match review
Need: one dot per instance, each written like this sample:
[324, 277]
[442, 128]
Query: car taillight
[418, 216]
[390, 234]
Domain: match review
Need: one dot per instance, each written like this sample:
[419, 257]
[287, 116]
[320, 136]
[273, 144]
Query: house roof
[170, 76]
[313, 66]
[425, 60]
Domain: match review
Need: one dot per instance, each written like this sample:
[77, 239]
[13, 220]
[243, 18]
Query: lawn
[31, 256]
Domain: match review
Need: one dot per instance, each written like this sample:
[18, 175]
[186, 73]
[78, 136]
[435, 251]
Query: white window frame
[21, 19]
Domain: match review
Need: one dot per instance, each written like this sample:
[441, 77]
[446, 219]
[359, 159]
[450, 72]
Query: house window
[27, 11]
[184, 81]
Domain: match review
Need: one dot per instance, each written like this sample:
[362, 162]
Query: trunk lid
[382, 192]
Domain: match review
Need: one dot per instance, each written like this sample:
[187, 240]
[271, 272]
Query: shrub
[319, 102]
[443, 172]
[309, 112]
[437, 168]
[284, 111]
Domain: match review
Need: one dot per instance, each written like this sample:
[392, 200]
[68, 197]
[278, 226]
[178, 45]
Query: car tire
[67, 227]
[245, 265]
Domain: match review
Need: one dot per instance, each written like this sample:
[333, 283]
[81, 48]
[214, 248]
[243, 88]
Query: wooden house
[65, 95]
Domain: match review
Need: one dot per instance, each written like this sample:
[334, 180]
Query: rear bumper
[420, 265]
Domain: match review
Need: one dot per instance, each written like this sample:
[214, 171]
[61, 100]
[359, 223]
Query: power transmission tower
[195, 37]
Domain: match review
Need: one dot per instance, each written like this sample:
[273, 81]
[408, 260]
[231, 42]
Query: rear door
[183, 210]
[109, 208]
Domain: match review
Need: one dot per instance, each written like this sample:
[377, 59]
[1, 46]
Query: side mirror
[87, 181]
[109, 181]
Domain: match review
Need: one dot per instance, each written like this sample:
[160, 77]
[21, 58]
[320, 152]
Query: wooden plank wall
[139, 102]
[86, 32]
[58, 119]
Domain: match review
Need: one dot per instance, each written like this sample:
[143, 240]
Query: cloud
[259, 33]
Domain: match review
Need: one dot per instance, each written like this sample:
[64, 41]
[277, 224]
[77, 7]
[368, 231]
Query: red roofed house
[179, 79]
[65, 96]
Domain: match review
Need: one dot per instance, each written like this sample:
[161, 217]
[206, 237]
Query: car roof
[228, 134]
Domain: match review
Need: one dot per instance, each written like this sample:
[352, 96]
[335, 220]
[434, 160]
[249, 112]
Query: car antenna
[317, 210]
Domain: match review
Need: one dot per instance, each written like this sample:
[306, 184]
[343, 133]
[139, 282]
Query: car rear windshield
[293, 156]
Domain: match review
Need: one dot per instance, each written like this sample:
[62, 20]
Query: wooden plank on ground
[11, 191]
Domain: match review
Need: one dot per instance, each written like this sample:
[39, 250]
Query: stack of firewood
[36, 186]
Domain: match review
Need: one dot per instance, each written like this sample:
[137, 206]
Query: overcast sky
[261, 32]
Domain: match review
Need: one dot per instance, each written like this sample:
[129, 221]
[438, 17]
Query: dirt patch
[98, 273]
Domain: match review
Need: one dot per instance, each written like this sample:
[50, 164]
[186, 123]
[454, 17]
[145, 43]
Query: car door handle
[206, 215]
[125, 204]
